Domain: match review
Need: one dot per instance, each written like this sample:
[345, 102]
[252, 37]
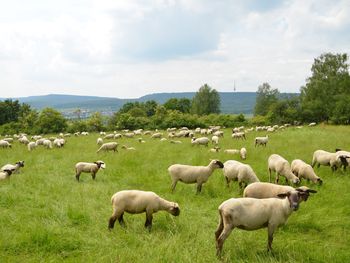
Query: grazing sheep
[334, 160]
[304, 170]
[109, 136]
[8, 139]
[24, 140]
[189, 174]
[118, 135]
[340, 152]
[92, 168]
[5, 174]
[13, 167]
[239, 135]
[31, 146]
[200, 141]
[215, 139]
[236, 171]
[175, 142]
[165, 139]
[47, 143]
[232, 151]
[136, 202]
[109, 146]
[58, 142]
[312, 124]
[219, 133]
[253, 214]
[157, 135]
[129, 134]
[243, 153]
[128, 148]
[215, 149]
[5, 144]
[261, 140]
[281, 166]
[262, 190]
[99, 141]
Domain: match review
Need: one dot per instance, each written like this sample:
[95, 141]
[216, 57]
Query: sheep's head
[100, 164]
[217, 164]
[20, 163]
[294, 198]
[304, 192]
[174, 209]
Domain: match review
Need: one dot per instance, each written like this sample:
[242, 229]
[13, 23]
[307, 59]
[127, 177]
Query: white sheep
[304, 170]
[5, 144]
[232, 151]
[282, 167]
[136, 202]
[340, 152]
[189, 174]
[129, 134]
[262, 190]
[13, 167]
[237, 171]
[214, 150]
[200, 141]
[109, 136]
[157, 135]
[174, 142]
[261, 140]
[118, 135]
[128, 148]
[141, 140]
[239, 135]
[5, 174]
[59, 142]
[47, 143]
[334, 160]
[109, 146]
[24, 140]
[215, 139]
[252, 214]
[31, 146]
[243, 153]
[83, 167]
[99, 141]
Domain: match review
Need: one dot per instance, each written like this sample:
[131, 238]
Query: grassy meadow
[47, 216]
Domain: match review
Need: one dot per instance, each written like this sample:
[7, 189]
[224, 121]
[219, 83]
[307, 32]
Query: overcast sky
[127, 48]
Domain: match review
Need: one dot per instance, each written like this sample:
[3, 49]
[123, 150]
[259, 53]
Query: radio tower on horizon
[234, 85]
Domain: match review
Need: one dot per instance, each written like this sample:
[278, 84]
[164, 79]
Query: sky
[130, 48]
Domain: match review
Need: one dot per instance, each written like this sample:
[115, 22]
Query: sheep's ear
[311, 191]
[284, 195]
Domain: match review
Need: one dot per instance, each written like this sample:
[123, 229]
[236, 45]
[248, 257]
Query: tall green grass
[46, 216]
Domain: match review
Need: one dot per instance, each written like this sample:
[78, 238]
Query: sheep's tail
[220, 226]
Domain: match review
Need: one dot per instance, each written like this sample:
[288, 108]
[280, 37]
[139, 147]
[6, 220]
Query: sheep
[239, 135]
[175, 142]
[157, 135]
[13, 167]
[215, 139]
[340, 152]
[281, 166]
[109, 136]
[232, 151]
[304, 170]
[31, 146]
[109, 146]
[214, 150]
[252, 214]
[83, 167]
[117, 136]
[40, 141]
[243, 153]
[237, 171]
[24, 140]
[99, 141]
[312, 124]
[129, 134]
[200, 141]
[262, 190]
[10, 140]
[5, 174]
[136, 202]
[58, 143]
[261, 140]
[334, 160]
[47, 144]
[141, 140]
[128, 148]
[5, 144]
[219, 133]
[189, 174]
[165, 139]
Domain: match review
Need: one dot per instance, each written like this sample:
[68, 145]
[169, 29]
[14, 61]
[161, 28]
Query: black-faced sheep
[13, 167]
[83, 167]
[304, 170]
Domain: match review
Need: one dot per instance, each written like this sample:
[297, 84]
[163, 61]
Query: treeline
[324, 98]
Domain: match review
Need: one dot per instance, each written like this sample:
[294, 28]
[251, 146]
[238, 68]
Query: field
[46, 216]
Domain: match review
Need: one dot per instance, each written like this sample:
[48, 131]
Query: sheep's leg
[219, 228]
[199, 188]
[277, 178]
[227, 182]
[148, 223]
[221, 239]
[113, 218]
[77, 175]
[121, 220]
[173, 185]
[270, 230]
[93, 175]
[269, 175]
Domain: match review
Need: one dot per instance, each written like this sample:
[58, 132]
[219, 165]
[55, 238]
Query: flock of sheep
[263, 205]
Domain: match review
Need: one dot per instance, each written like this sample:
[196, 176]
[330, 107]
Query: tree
[95, 122]
[329, 81]
[51, 121]
[183, 104]
[206, 101]
[265, 97]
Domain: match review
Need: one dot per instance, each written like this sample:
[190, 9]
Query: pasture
[47, 216]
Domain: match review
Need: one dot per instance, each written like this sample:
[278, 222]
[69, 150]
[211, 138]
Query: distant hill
[231, 102]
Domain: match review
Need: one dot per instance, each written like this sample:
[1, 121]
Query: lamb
[47, 143]
[13, 167]
[252, 214]
[243, 153]
[189, 174]
[334, 160]
[5, 174]
[83, 167]
[5, 144]
[215, 139]
[281, 166]
[109, 146]
[59, 142]
[31, 146]
[99, 141]
[136, 202]
[262, 190]
[304, 170]
[261, 140]
[200, 141]
[237, 171]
